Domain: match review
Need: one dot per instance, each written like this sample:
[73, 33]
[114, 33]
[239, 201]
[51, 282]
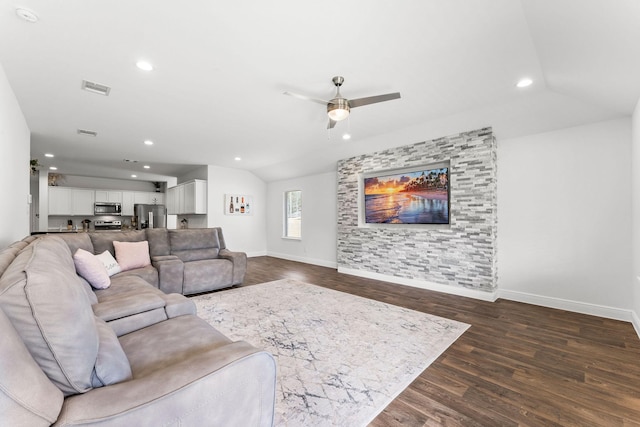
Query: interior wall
[318, 242]
[459, 258]
[241, 233]
[200, 172]
[14, 166]
[564, 215]
[78, 181]
[635, 200]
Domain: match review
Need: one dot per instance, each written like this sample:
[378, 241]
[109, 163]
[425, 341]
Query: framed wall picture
[238, 204]
[409, 196]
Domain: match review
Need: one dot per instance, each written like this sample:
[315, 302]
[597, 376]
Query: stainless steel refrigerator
[150, 216]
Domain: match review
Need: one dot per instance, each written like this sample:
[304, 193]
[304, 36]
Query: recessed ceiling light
[48, 155]
[147, 167]
[134, 176]
[144, 65]
[524, 82]
[53, 168]
[237, 159]
[26, 14]
[148, 142]
[346, 136]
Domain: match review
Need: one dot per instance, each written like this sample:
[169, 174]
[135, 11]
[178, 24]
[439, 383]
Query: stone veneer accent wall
[463, 254]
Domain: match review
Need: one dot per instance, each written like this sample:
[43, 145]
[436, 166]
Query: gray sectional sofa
[183, 261]
[129, 354]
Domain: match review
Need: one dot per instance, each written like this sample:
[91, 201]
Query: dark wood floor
[517, 365]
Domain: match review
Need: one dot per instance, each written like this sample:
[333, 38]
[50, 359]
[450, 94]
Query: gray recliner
[194, 260]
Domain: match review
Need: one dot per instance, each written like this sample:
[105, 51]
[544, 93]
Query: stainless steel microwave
[107, 209]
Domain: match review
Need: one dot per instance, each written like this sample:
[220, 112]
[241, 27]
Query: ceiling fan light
[338, 109]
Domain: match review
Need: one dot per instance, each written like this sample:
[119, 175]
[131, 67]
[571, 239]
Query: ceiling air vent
[87, 132]
[95, 88]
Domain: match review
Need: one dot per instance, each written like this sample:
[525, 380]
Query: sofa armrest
[239, 260]
[232, 384]
[170, 273]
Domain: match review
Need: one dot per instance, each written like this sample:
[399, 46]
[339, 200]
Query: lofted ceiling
[220, 70]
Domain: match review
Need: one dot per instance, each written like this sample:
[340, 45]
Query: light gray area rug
[341, 358]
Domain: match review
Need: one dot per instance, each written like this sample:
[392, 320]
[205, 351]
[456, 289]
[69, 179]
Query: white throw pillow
[109, 262]
[92, 269]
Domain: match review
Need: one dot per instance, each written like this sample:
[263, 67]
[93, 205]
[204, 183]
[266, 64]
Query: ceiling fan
[338, 108]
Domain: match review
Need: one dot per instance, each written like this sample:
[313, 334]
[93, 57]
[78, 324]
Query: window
[293, 214]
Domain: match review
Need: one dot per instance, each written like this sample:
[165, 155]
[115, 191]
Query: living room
[567, 166]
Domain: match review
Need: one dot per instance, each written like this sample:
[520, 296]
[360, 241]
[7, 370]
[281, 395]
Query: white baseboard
[635, 321]
[314, 261]
[255, 254]
[574, 306]
[423, 284]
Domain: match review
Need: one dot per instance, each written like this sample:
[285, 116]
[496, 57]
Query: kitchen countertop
[56, 231]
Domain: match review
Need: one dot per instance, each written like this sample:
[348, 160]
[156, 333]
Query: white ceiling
[221, 69]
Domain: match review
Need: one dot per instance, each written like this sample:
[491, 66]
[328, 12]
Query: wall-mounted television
[417, 195]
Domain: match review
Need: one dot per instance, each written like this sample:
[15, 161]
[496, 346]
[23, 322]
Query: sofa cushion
[91, 268]
[130, 304]
[20, 245]
[132, 255]
[26, 394]
[195, 244]
[206, 275]
[44, 298]
[112, 365]
[77, 241]
[158, 241]
[125, 304]
[151, 349]
[7, 255]
[109, 263]
[88, 290]
[103, 240]
[125, 284]
[148, 273]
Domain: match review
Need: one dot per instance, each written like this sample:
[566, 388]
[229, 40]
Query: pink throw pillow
[132, 255]
[92, 269]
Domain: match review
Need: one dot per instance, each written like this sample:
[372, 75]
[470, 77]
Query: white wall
[199, 172]
[106, 183]
[319, 219]
[246, 233]
[14, 166]
[635, 200]
[564, 218]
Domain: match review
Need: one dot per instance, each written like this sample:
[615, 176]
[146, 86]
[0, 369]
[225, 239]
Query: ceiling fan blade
[331, 124]
[353, 103]
[306, 98]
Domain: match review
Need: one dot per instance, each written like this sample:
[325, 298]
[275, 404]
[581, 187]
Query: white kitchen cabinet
[172, 201]
[82, 201]
[71, 201]
[141, 197]
[60, 201]
[127, 203]
[108, 196]
[195, 197]
[148, 198]
[157, 198]
[188, 198]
